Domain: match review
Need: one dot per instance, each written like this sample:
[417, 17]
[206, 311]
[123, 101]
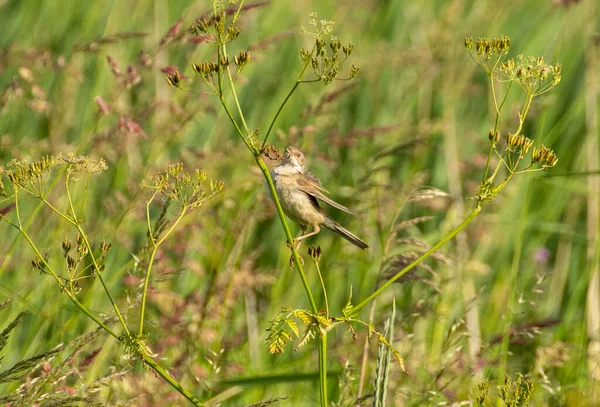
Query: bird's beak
[287, 151]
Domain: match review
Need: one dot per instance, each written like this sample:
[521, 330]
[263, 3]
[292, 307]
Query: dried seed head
[144, 59]
[102, 105]
[241, 59]
[487, 48]
[272, 152]
[201, 26]
[233, 31]
[71, 263]
[518, 144]
[315, 253]
[174, 80]
[105, 247]
[544, 156]
[348, 49]
[66, 246]
[113, 66]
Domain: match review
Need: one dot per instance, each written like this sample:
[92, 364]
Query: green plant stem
[73, 221]
[323, 367]
[155, 246]
[298, 82]
[288, 234]
[524, 112]
[298, 263]
[150, 362]
[323, 286]
[428, 253]
[265, 170]
[244, 139]
[497, 122]
[234, 93]
[174, 383]
[63, 288]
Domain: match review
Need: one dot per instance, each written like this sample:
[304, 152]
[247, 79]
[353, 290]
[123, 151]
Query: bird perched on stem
[299, 192]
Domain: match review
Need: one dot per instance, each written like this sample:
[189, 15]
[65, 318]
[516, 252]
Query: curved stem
[496, 124]
[174, 383]
[298, 82]
[155, 246]
[288, 234]
[237, 127]
[298, 263]
[73, 220]
[428, 253]
[524, 112]
[234, 93]
[62, 287]
[323, 286]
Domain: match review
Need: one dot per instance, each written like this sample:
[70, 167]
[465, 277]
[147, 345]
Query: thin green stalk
[155, 246]
[323, 286]
[87, 183]
[250, 146]
[288, 234]
[57, 278]
[298, 82]
[75, 223]
[428, 253]
[234, 93]
[323, 368]
[524, 112]
[174, 383]
[153, 365]
[263, 167]
[497, 122]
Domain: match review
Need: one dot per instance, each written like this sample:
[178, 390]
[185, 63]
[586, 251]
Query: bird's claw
[294, 245]
[292, 261]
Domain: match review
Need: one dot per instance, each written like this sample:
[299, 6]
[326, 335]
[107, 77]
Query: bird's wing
[310, 185]
[317, 183]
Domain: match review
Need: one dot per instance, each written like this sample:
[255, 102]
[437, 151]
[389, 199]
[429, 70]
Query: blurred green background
[513, 293]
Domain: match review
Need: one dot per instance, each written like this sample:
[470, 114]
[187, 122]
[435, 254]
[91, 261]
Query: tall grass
[510, 295]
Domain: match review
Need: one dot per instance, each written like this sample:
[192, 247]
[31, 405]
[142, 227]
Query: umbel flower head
[533, 74]
[544, 156]
[324, 58]
[186, 189]
[486, 48]
[30, 176]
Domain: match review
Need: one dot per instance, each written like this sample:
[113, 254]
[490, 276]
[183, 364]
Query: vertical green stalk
[323, 367]
[155, 246]
[288, 234]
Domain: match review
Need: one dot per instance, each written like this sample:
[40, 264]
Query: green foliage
[500, 298]
[41, 375]
[382, 368]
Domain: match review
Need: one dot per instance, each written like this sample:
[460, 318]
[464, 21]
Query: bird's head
[294, 157]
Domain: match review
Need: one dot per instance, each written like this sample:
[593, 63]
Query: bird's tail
[345, 233]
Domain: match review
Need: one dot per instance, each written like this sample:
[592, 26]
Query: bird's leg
[294, 245]
[296, 241]
[316, 229]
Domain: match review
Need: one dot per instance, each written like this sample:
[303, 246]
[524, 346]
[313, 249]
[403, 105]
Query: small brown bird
[298, 192]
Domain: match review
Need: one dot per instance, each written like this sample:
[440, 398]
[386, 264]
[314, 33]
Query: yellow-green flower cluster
[544, 156]
[183, 188]
[533, 74]
[488, 47]
[518, 144]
